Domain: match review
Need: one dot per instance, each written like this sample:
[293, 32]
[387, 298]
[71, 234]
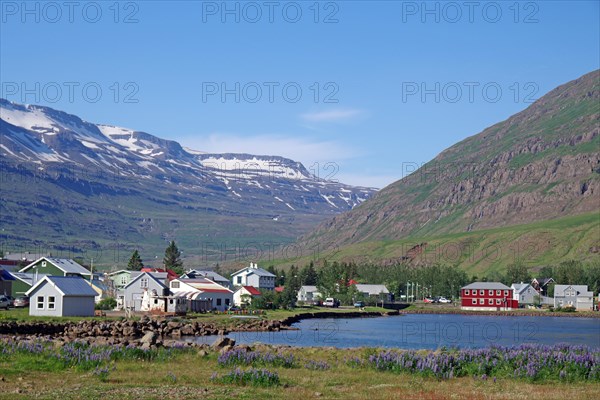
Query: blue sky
[360, 91]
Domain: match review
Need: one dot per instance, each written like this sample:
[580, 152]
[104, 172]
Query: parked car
[444, 300]
[11, 300]
[22, 301]
[4, 302]
[331, 302]
[429, 300]
[359, 304]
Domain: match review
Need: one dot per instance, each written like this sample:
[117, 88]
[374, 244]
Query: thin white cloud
[327, 158]
[338, 115]
[300, 149]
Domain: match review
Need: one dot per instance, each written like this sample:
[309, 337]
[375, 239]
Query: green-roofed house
[56, 267]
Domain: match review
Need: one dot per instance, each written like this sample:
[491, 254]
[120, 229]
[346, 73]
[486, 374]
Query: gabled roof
[520, 287]
[120, 272]
[146, 274]
[252, 290]
[487, 285]
[582, 290]
[67, 285]
[6, 276]
[215, 290]
[27, 278]
[157, 275]
[279, 289]
[309, 288]
[66, 265]
[254, 270]
[371, 289]
[542, 281]
[204, 284]
[205, 273]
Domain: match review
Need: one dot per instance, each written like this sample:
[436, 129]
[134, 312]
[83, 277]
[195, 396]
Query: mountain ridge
[136, 187]
[541, 163]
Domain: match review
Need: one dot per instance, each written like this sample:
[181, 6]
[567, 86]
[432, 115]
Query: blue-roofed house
[57, 267]
[61, 296]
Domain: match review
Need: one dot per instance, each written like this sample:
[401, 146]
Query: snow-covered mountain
[66, 155]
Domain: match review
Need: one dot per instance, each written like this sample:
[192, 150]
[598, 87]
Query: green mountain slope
[539, 165]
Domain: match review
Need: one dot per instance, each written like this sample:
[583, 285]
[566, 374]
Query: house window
[226, 302]
[40, 302]
[175, 285]
[170, 301]
[144, 283]
[505, 293]
[497, 293]
[481, 301]
[123, 280]
[218, 302]
[44, 263]
[474, 301]
[51, 302]
[466, 292]
[490, 292]
[239, 280]
[481, 292]
[491, 302]
[497, 302]
[155, 301]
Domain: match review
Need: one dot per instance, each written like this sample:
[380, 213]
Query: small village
[60, 287]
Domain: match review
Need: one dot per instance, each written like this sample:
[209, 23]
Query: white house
[524, 293]
[212, 275]
[61, 296]
[133, 293]
[244, 295]
[308, 293]
[153, 301]
[577, 296]
[255, 277]
[379, 292]
[220, 297]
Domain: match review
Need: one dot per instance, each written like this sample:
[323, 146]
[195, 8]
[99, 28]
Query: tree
[516, 273]
[172, 258]
[135, 262]
[309, 275]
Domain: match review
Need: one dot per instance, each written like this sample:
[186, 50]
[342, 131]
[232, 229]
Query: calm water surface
[429, 331]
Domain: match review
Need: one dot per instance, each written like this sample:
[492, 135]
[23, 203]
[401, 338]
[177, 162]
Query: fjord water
[429, 331]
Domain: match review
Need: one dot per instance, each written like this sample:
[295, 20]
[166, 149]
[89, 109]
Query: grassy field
[222, 320]
[187, 375]
[536, 244]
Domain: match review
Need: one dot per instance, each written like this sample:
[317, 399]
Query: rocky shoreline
[151, 332]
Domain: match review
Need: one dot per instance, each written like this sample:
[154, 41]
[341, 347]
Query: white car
[4, 302]
[444, 300]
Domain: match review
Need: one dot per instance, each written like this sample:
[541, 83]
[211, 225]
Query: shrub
[254, 377]
[106, 304]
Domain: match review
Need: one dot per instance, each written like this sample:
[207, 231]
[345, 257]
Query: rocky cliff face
[540, 164]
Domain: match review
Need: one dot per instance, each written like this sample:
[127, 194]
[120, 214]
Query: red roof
[215, 290]
[252, 290]
[279, 289]
[170, 273]
[352, 282]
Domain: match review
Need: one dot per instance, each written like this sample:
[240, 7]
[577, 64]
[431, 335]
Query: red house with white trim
[487, 296]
